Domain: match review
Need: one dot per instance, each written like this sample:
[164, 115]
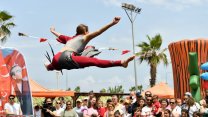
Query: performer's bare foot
[125, 62]
[46, 66]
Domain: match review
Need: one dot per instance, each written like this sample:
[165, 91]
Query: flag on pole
[125, 52]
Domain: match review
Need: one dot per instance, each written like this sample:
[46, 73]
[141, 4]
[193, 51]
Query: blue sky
[174, 19]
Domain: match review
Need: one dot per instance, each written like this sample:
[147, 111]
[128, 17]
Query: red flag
[43, 40]
[125, 51]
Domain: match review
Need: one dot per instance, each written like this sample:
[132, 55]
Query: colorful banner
[14, 80]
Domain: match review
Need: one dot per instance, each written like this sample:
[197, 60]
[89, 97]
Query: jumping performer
[70, 56]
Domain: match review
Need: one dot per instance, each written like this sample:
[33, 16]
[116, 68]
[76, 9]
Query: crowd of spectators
[134, 105]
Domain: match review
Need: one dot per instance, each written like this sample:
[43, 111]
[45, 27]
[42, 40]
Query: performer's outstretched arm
[90, 36]
[52, 29]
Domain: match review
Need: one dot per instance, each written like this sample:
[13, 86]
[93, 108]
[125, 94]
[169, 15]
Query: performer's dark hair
[12, 72]
[81, 29]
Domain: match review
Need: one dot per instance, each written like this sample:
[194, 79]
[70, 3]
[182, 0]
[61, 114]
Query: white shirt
[147, 111]
[176, 111]
[13, 109]
[193, 108]
[125, 112]
[37, 113]
[58, 111]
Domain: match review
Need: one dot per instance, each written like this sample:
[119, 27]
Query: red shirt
[101, 111]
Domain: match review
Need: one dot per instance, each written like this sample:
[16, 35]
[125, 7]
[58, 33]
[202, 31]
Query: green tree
[77, 89]
[69, 89]
[139, 87]
[103, 90]
[116, 89]
[6, 24]
[152, 53]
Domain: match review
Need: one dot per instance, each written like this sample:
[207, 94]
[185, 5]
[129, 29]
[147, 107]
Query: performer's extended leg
[87, 61]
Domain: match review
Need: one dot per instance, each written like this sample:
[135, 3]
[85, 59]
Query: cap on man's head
[85, 99]
[188, 94]
[138, 94]
[11, 96]
[79, 100]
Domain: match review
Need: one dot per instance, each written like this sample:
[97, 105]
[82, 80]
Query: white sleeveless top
[77, 44]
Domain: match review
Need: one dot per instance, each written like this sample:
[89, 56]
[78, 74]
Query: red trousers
[87, 62]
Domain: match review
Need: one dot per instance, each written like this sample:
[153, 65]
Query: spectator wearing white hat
[78, 108]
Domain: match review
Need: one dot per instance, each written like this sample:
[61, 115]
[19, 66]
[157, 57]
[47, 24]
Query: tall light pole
[133, 11]
[57, 77]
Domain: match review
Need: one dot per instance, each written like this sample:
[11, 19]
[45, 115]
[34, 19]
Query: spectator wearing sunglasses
[147, 111]
[175, 110]
[12, 108]
[148, 94]
[58, 110]
[69, 112]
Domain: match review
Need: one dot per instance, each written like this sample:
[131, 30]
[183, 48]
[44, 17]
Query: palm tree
[103, 90]
[152, 53]
[77, 89]
[116, 89]
[6, 24]
[139, 87]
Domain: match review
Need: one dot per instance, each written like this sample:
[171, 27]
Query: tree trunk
[153, 72]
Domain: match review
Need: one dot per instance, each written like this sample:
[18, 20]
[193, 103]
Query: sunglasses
[148, 95]
[172, 102]
[58, 103]
[149, 100]
[11, 98]
[68, 104]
